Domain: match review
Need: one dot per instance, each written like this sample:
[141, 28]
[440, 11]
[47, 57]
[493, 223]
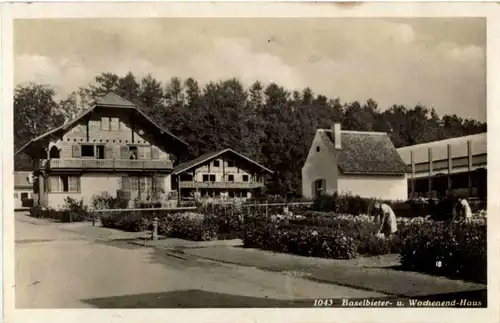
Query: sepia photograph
[255, 162]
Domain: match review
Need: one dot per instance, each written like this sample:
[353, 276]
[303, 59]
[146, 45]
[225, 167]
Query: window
[100, 151]
[230, 178]
[216, 163]
[144, 152]
[205, 177]
[64, 183]
[231, 193]
[186, 177]
[230, 163]
[212, 178]
[245, 178]
[134, 183]
[115, 124]
[317, 148]
[87, 150]
[105, 123]
[132, 152]
[146, 184]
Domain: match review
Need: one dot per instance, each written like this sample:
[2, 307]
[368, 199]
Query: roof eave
[218, 154]
[374, 173]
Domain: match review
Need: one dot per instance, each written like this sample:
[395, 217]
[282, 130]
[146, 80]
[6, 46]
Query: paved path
[72, 266]
[372, 274]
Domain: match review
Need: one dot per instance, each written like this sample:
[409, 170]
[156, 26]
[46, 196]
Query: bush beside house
[72, 211]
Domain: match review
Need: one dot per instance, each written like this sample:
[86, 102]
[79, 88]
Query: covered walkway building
[456, 164]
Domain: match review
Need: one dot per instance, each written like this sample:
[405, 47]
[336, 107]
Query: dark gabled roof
[208, 156]
[366, 153]
[108, 100]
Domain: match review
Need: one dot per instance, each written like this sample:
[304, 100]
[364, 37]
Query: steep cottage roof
[208, 156]
[365, 152]
[107, 101]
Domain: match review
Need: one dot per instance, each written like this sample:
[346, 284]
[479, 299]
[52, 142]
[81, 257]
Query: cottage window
[230, 178]
[245, 178]
[317, 149]
[212, 178]
[105, 123]
[216, 163]
[205, 177]
[230, 163]
[87, 151]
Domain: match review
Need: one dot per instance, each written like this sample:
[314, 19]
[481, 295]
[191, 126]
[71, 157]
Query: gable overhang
[375, 173]
[211, 157]
[54, 132]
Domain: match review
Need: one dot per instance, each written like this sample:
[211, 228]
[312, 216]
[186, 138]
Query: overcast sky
[436, 62]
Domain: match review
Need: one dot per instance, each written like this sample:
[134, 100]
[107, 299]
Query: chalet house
[112, 147]
[23, 188]
[224, 174]
[354, 162]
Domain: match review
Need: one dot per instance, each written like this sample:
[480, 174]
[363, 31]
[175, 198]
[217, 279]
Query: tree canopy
[271, 124]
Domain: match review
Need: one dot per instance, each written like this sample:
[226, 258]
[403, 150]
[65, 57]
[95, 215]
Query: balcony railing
[201, 185]
[81, 163]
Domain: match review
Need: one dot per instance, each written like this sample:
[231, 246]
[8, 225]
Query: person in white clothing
[465, 210]
[386, 219]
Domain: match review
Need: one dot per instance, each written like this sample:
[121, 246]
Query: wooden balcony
[111, 164]
[221, 185]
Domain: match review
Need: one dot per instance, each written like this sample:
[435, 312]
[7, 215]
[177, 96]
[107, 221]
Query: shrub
[316, 242]
[190, 226]
[455, 249]
[74, 211]
[103, 201]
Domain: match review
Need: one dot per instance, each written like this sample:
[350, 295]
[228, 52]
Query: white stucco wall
[382, 187]
[91, 184]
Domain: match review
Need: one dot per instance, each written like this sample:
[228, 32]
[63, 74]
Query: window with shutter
[74, 184]
[159, 183]
[142, 184]
[134, 181]
[55, 184]
[147, 152]
[124, 153]
[115, 124]
[155, 153]
[76, 151]
[108, 152]
[126, 185]
[105, 123]
[141, 152]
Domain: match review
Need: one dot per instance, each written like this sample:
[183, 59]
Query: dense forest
[268, 123]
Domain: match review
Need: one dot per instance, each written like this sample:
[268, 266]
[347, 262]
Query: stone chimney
[336, 131]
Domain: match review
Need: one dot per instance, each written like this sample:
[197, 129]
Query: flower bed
[456, 249]
[185, 225]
